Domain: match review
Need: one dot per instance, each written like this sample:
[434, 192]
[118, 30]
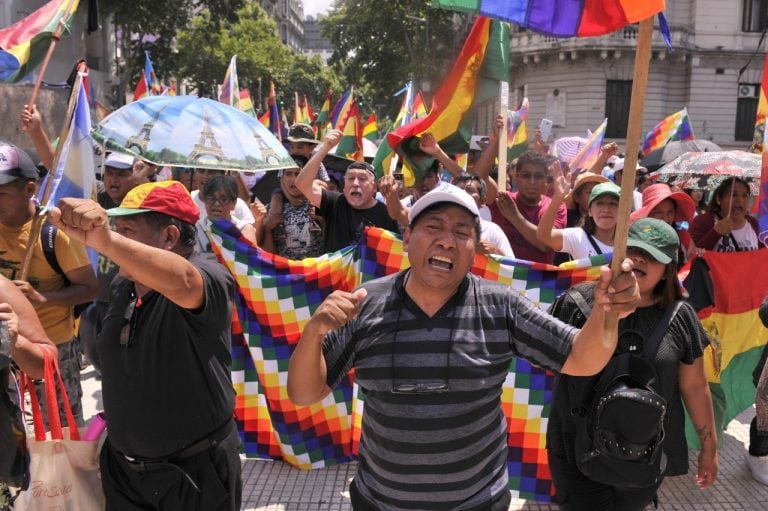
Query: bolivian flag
[24, 44]
[474, 79]
[739, 283]
[371, 128]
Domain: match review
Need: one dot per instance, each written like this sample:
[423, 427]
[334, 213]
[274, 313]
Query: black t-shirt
[683, 342]
[165, 369]
[345, 224]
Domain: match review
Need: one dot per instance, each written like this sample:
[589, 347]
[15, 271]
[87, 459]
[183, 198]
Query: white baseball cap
[119, 161]
[445, 192]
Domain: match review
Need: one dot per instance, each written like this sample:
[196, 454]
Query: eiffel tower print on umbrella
[187, 131]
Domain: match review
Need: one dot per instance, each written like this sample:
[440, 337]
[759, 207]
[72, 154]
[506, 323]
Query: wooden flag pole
[634, 133]
[55, 37]
[37, 219]
[504, 112]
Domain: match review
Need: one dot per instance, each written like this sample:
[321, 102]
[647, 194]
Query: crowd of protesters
[159, 304]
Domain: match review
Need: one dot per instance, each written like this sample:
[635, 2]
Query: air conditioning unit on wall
[747, 90]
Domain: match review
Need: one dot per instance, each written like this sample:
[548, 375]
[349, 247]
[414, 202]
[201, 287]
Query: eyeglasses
[538, 176]
[421, 386]
[218, 200]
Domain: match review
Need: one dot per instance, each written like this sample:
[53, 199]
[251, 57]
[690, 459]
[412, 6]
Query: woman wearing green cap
[596, 236]
[653, 246]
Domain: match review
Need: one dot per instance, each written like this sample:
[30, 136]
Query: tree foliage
[378, 49]
[152, 25]
[205, 49]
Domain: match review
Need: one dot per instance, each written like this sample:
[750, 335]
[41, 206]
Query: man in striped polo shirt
[431, 347]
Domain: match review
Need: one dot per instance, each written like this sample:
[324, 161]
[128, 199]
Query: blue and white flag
[74, 174]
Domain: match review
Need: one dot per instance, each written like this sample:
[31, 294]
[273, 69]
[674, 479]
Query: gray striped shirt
[447, 449]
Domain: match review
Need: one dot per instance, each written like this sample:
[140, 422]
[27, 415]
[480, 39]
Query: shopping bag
[64, 468]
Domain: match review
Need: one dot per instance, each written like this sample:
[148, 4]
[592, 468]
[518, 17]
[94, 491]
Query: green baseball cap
[606, 188]
[655, 237]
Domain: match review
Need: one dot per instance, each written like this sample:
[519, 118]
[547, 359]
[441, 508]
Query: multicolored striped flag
[736, 334]
[517, 139]
[561, 18]
[141, 90]
[411, 108]
[271, 117]
[24, 44]
[74, 175]
[340, 112]
[371, 128]
[246, 104]
[351, 144]
[324, 117]
[482, 63]
[301, 109]
[675, 127]
[762, 111]
[275, 299]
[230, 90]
[591, 150]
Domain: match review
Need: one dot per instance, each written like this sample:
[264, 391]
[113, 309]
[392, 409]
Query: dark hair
[158, 221]
[463, 178]
[702, 204]
[533, 158]
[440, 206]
[589, 224]
[720, 191]
[668, 289]
[224, 183]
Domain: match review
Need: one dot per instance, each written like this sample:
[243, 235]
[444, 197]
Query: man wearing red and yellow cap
[164, 350]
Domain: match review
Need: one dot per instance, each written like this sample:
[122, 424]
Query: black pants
[208, 481]
[576, 492]
[359, 503]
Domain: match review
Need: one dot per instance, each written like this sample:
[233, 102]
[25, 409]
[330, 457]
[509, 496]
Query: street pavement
[276, 486]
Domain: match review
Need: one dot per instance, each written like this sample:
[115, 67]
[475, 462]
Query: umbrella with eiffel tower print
[187, 131]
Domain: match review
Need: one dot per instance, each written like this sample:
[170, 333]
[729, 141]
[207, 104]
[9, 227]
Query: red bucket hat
[655, 194]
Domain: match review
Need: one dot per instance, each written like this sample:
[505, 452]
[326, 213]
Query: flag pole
[37, 218]
[55, 37]
[634, 128]
[501, 179]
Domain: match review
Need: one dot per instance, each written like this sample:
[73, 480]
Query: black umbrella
[672, 150]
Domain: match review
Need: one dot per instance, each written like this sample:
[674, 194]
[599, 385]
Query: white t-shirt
[241, 216]
[493, 234]
[745, 237]
[576, 243]
[485, 213]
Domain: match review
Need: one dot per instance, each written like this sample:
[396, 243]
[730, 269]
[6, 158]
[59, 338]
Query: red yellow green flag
[24, 44]
[371, 128]
[737, 336]
[351, 143]
[474, 79]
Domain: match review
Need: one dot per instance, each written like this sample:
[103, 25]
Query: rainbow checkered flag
[674, 127]
[275, 299]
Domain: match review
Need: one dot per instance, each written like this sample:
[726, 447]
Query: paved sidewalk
[276, 486]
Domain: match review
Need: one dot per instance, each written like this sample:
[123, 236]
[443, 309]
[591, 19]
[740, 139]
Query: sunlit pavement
[276, 486]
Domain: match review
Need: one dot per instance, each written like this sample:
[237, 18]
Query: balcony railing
[626, 38]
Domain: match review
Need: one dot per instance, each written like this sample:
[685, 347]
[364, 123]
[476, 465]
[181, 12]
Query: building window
[746, 110]
[755, 14]
[617, 98]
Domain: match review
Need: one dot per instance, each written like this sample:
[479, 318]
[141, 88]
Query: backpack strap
[48, 239]
[653, 342]
[593, 242]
